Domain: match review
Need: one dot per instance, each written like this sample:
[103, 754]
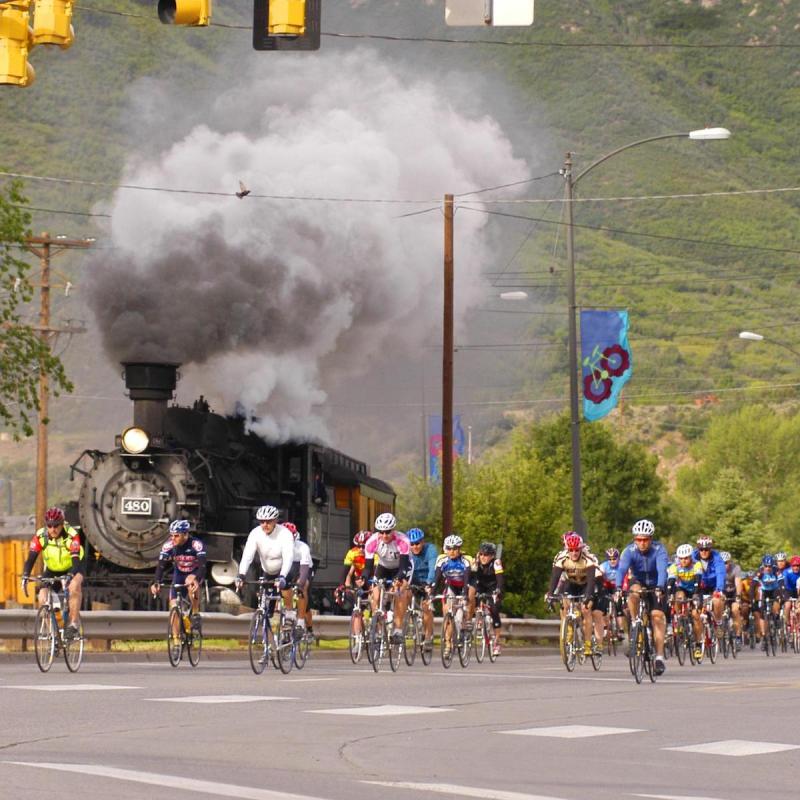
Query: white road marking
[218, 698]
[463, 791]
[380, 711]
[735, 747]
[572, 731]
[70, 687]
[675, 797]
[168, 781]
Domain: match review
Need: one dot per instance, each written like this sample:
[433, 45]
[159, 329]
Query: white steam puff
[260, 299]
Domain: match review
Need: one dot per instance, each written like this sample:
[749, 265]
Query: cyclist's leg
[193, 587]
[76, 597]
[471, 595]
[718, 606]
[400, 603]
[659, 622]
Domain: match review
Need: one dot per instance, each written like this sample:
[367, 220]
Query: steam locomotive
[193, 463]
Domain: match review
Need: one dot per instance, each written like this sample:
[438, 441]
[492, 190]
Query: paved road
[521, 728]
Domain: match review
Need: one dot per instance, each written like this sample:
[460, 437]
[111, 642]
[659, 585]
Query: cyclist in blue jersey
[647, 561]
[612, 589]
[768, 590]
[791, 584]
[423, 558]
[713, 579]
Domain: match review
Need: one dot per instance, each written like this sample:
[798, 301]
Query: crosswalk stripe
[168, 781]
[735, 747]
[462, 791]
[218, 698]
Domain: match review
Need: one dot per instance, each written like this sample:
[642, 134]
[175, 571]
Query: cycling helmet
[180, 526]
[684, 551]
[453, 540]
[267, 513]
[768, 561]
[290, 526]
[781, 556]
[53, 516]
[704, 543]
[643, 528]
[794, 561]
[573, 541]
[385, 522]
[725, 556]
[489, 548]
[612, 554]
[360, 539]
[415, 535]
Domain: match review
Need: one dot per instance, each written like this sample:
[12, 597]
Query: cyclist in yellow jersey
[62, 554]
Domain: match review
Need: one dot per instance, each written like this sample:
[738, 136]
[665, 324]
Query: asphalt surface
[520, 728]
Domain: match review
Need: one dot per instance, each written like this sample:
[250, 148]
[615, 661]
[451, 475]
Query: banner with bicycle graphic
[606, 360]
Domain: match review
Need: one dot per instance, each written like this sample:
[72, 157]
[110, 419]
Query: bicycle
[794, 626]
[261, 639]
[612, 627]
[485, 637]
[50, 638]
[414, 630]
[379, 643]
[455, 634]
[682, 631]
[184, 629]
[727, 633]
[641, 656]
[770, 637]
[710, 643]
[571, 638]
[358, 624]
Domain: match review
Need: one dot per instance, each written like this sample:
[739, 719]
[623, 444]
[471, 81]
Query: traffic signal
[52, 23]
[16, 40]
[287, 24]
[196, 13]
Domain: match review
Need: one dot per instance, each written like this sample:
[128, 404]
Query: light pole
[757, 337]
[570, 180]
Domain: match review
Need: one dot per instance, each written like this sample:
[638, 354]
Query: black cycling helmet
[489, 548]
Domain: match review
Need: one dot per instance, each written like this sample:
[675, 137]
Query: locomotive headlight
[135, 440]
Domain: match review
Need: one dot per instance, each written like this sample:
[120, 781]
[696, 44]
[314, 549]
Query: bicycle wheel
[773, 637]
[395, 649]
[782, 636]
[448, 639]
[377, 640]
[464, 646]
[411, 625]
[724, 638]
[712, 642]
[597, 654]
[612, 632]
[650, 655]
[480, 638]
[490, 633]
[73, 650]
[258, 641]
[637, 651]
[567, 643]
[194, 641]
[356, 636]
[285, 646]
[425, 649]
[175, 634]
[302, 645]
[44, 645]
[580, 641]
[679, 641]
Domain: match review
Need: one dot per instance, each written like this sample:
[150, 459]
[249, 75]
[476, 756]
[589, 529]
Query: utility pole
[45, 249]
[447, 372]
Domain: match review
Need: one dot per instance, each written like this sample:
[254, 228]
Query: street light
[757, 337]
[703, 134]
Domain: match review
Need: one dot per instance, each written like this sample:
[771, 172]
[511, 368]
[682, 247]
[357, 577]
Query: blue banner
[606, 360]
[435, 444]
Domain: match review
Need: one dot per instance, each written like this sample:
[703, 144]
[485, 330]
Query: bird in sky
[243, 191]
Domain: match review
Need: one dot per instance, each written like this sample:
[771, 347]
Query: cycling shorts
[384, 573]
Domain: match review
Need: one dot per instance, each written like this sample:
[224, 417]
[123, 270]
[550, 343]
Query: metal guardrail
[131, 625]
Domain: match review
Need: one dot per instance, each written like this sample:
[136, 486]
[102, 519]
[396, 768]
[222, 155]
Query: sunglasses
[642, 539]
[53, 527]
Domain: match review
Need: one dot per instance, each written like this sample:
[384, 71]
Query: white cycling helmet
[453, 540]
[725, 556]
[684, 551]
[385, 522]
[266, 513]
[644, 528]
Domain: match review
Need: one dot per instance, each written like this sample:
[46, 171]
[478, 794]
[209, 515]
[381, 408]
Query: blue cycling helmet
[768, 561]
[415, 535]
[180, 526]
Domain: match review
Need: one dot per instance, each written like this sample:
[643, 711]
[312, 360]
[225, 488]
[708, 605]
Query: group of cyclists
[698, 577]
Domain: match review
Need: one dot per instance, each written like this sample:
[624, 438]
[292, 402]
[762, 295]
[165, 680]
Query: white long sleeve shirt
[275, 552]
[302, 554]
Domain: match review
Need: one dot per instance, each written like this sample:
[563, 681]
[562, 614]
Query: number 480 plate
[137, 505]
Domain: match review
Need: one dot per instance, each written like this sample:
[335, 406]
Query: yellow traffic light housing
[52, 23]
[16, 40]
[287, 24]
[196, 13]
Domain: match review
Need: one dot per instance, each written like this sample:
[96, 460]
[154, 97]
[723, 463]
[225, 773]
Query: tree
[24, 354]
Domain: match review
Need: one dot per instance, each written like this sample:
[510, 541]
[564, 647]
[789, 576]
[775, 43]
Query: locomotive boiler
[192, 463]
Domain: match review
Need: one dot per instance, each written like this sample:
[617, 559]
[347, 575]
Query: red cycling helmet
[53, 516]
[360, 539]
[290, 526]
[573, 541]
[794, 561]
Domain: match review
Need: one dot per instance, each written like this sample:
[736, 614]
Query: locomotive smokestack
[150, 386]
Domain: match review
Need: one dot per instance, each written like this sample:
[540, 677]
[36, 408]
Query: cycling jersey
[730, 578]
[188, 558]
[791, 580]
[60, 554]
[609, 573]
[455, 572]
[684, 578]
[579, 575]
[769, 581]
[275, 551]
[388, 553]
[488, 577]
[356, 559]
[424, 564]
[648, 569]
[713, 571]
